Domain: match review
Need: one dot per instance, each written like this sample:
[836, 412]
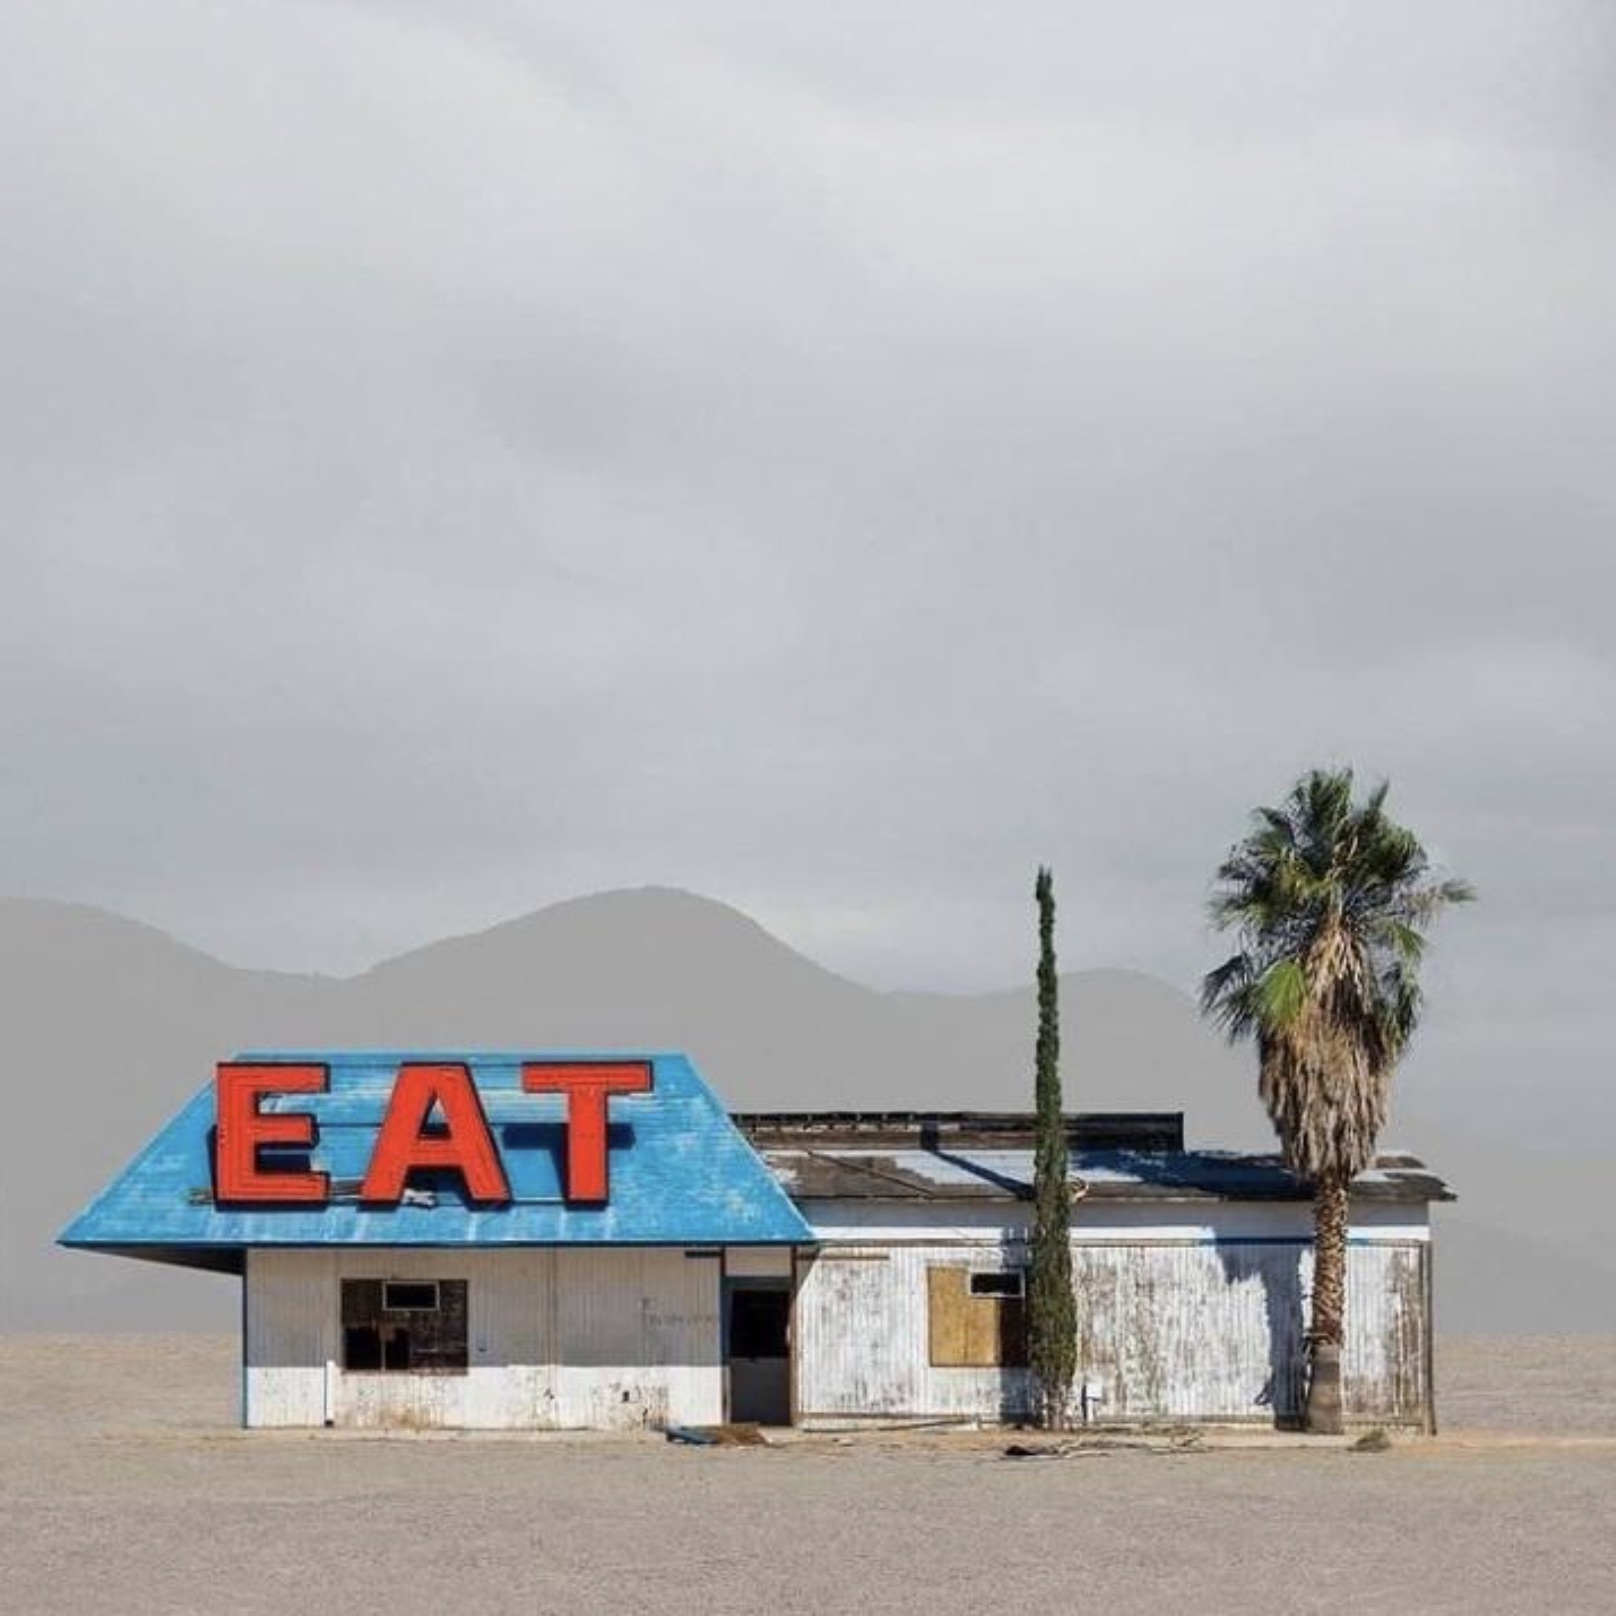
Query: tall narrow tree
[1330, 900]
[1051, 1305]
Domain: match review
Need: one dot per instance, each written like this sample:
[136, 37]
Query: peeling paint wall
[861, 1337]
[569, 1338]
[1198, 1318]
[1172, 1327]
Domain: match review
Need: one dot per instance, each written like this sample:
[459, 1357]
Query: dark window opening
[361, 1347]
[997, 1284]
[398, 1326]
[406, 1296]
[759, 1323]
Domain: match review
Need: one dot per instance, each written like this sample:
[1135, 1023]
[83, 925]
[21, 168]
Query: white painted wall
[1196, 1316]
[1104, 1220]
[569, 1338]
[1191, 1310]
[758, 1262]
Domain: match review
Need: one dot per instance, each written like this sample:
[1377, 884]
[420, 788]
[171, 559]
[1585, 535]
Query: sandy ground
[124, 1487]
[1549, 1384]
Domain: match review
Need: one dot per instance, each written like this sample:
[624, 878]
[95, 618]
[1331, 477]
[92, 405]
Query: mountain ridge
[108, 1025]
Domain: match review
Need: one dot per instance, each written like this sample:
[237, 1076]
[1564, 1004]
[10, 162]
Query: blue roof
[681, 1172]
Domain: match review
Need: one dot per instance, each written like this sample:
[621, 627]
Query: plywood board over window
[975, 1326]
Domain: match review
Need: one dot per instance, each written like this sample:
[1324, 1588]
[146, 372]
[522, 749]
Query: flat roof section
[834, 1172]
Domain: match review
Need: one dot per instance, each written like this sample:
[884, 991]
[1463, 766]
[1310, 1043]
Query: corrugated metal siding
[568, 1339]
[638, 1339]
[1192, 1331]
[861, 1335]
[1386, 1357]
[291, 1334]
[1173, 1331]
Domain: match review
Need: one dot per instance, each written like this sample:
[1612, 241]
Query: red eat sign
[464, 1142]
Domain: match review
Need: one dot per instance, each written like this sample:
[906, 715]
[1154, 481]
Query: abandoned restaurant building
[491, 1240]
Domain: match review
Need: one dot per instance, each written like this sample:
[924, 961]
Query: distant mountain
[108, 1026]
[655, 968]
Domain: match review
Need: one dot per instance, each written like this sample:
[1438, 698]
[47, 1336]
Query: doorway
[757, 1353]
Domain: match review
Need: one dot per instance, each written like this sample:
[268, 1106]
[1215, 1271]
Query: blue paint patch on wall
[681, 1172]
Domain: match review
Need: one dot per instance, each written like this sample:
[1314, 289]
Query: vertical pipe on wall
[792, 1334]
[1428, 1293]
[723, 1334]
[246, 1259]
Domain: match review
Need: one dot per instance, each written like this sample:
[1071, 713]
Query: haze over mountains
[109, 1026]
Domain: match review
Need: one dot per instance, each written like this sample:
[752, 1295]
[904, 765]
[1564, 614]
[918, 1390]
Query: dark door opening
[758, 1332]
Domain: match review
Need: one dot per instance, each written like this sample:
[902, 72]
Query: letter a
[466, 1145]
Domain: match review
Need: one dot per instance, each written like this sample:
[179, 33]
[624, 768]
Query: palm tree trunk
[1329, 1302]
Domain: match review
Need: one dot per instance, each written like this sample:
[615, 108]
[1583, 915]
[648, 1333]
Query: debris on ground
[740, 1435]
[1375, 1441]
[1178, 1439]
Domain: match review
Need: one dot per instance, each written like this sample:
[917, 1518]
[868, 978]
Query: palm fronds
[1329, 900]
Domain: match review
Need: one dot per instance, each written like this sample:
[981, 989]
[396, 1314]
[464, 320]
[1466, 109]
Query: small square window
[410, 1296]
[997, 1283]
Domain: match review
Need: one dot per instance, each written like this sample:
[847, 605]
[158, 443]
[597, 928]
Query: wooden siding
[862, 1332]
[1171, 1329]
[1168, 1330]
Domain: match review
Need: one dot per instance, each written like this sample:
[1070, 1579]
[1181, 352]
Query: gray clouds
[457, 457]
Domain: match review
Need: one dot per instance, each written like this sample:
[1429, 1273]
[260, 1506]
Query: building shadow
[1277, 1267]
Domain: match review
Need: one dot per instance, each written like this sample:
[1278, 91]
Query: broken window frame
[391, 1288]
[381, 1340]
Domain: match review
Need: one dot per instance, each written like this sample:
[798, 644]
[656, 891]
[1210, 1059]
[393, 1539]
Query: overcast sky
[460, 456]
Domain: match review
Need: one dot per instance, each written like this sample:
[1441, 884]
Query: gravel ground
[125, 1488]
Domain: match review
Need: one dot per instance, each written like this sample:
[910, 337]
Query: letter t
[586, 1085]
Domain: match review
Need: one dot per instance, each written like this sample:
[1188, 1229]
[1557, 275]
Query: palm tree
[1330, 900]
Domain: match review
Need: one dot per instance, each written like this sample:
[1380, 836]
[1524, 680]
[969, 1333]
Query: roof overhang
[679, 1172]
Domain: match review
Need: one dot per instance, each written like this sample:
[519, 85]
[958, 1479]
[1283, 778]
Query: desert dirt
[125, 1487]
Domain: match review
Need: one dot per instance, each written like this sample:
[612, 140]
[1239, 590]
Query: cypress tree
[1051, 1305]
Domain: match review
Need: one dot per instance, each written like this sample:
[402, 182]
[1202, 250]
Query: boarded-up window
[414, 1327]
[975, 1326]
